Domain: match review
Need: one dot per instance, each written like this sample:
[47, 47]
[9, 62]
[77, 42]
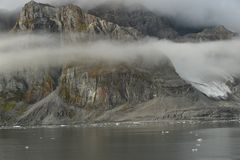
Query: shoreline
[129, 124]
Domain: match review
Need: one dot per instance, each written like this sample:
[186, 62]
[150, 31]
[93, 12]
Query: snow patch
[213, 89]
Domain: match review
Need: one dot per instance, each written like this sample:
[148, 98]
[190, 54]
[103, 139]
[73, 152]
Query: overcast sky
[195, 12]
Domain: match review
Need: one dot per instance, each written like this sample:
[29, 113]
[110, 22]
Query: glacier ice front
[214, 89]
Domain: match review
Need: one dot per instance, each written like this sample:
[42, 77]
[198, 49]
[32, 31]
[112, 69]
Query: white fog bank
[207, 66]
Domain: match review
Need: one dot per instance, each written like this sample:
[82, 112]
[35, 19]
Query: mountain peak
[69, 18]
[218, 29]
[138, 17]
[156, 25]
[210, 34]
[34, 3]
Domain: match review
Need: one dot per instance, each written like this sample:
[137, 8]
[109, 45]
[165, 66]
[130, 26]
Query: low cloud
[207, 66]
[195, 62]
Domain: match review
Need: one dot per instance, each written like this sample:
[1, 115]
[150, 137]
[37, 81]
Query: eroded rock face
[155, 25]
[20, 89]
[28, 85]
[108, 92]
[71, 19]
[139, 18]
[50, 110]
[36, 16]
[108, 86]
[209, 34]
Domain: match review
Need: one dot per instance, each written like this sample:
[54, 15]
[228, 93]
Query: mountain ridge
[155, 25]
[68, 18]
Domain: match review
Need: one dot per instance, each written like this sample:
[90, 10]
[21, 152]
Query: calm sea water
[213, 141]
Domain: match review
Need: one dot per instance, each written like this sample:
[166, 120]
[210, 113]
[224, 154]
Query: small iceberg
[16, 126]
[165, 132]
[136, 123]
[198, 145]
[194, 150]
[199, 140]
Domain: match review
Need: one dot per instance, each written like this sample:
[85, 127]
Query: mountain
[69, 18]
[209, 34]
[102, 91]
[155, 25]
[139, 18]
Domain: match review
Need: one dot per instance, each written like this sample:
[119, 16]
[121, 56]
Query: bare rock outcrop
[69, 19]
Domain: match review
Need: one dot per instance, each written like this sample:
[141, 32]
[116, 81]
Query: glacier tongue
[213, 89]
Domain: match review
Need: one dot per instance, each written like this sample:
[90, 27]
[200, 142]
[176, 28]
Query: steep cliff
[24, 87]
[157, 25]
[69, 19]
[90, 92]
[209, 34]
[139, 18]
[108, 86]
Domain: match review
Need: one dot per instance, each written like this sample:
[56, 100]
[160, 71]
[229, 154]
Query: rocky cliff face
[155, 25]
[139, 18]
[209, 34]
[108, 86]
[102, 91]
[22, 88]
[28, 85]
[87, 92]
[69, 18]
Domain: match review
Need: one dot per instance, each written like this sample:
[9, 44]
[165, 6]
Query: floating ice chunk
[194, 150]
[26, 147]
[198, 145]
[16, 126]
[117, 124]
[165, 132]
[199, 139]
[136, 123]
[52, 138]
[63, 125]
[40, 137]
